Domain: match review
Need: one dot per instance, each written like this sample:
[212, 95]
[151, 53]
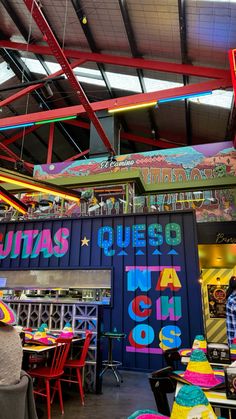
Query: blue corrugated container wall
[156, 296]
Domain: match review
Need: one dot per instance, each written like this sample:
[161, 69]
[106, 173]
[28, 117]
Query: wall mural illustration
[179, 164]
[155, 272]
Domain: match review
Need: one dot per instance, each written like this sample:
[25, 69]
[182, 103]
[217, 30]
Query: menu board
[217, 300]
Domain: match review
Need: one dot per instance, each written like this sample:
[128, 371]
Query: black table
[110, 363]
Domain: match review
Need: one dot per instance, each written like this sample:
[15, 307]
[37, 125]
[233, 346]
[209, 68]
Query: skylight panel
[153, 85]
[124, 82]
[90, 76]
[18, 38]
[91, 80]
[116, 80]
[87, 71]
[6, 73]
[34, 65]
[53, 67]
[220, 98]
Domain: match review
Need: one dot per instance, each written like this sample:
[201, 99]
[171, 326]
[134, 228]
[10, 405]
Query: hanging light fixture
[132, 107]
[156, 103]
[185, 96]
[30, 124]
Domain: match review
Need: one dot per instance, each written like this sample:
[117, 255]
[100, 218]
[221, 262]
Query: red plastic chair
[52, 372]
[78, 365]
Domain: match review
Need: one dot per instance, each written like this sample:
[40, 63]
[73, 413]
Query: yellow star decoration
[85, 241]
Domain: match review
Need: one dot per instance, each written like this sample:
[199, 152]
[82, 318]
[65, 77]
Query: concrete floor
[114, 402]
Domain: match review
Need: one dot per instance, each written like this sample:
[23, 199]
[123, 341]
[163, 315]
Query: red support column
[232, 63]
[50, 143]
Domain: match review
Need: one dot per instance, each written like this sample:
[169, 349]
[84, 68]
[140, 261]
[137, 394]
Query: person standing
[231, 310]
[10, 347]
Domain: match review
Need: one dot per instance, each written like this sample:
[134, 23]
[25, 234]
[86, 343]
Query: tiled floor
[114, 402]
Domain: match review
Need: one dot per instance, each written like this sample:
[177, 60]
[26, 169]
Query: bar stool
[110, 363]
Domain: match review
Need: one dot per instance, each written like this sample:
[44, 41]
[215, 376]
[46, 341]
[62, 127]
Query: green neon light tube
[48, 121]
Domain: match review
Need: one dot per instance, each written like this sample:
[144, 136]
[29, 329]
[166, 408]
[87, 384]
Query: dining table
[29, 347]
[34, 348]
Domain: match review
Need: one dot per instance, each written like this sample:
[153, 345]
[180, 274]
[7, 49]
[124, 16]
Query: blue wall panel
[156, 294]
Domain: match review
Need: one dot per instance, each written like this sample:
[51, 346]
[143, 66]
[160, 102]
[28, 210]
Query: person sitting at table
[10, 347]
[231, 310]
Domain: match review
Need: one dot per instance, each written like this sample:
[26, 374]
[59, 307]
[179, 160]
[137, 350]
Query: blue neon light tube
[181, 97]
[29, 124]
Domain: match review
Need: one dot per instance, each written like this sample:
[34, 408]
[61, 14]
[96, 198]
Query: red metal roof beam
[43, 25]
[28, 166]
[117, 102]
[77, 156]
[167, 67]
[30, 89]
[19, 135]
[2, 157]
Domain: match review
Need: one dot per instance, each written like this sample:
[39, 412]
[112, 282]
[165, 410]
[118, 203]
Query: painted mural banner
[173, 165]
[155, 292]
[179, 164]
